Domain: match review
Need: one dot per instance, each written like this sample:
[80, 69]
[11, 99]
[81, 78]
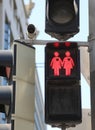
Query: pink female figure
[68, 63]
[56, 63]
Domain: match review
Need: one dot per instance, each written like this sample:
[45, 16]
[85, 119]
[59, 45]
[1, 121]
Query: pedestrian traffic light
[62, 60]
[62, 18]
[62, 84]
[6, 64]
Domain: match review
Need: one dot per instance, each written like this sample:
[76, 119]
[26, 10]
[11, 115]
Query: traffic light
[17, 100]
[62, 84]
[23, 86]
[62, 18]
[6, 65]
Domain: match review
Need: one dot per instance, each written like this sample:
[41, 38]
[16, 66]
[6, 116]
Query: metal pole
[92, 80]
[44, 42]
[92, 58]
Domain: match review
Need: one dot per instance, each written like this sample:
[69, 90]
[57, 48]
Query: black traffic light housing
[6, 67]
[62, 103]
[62, 84]
[6, 101]
[62, 18]
[6, 64]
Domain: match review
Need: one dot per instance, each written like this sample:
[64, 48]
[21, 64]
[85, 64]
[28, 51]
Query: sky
[37, 18]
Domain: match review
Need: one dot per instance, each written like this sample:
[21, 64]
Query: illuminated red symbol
[56, 63]
[67, 44]
[68, 63]
[56, 44]
[8, 72]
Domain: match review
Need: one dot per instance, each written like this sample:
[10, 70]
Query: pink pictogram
[56, 63]
[68, 63]
[8, 72]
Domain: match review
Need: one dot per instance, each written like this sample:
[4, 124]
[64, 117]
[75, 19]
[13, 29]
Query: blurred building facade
[39, 116]
[85, 63]
[13, 21]
[86, 121]
[14, 16]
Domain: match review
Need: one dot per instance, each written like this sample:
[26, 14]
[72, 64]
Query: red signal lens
[58, 64]
[8, 72]
[68, 63]
[67, 44]
[56, 44]
[62, 60]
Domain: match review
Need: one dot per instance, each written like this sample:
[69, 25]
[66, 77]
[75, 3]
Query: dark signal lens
[62, 11]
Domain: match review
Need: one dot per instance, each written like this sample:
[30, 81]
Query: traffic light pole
[92, 80]
[92, 59]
